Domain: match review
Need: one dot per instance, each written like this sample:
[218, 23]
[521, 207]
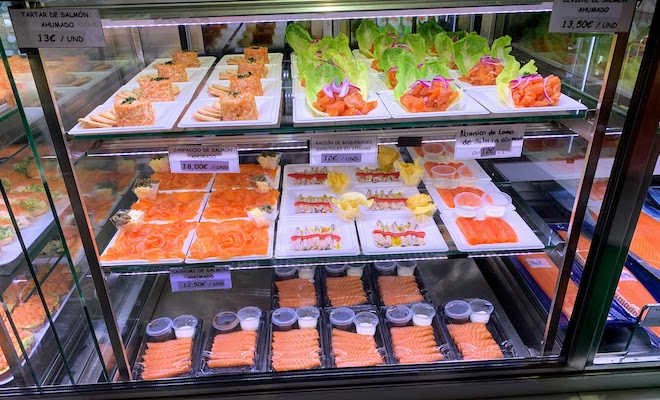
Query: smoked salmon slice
[234, 203]
[242, 178]
[151, 242]
[170, 181]
[545, 273]
[354, 350]
[229, 239]
[488, 231]
[415, 344]
[474, 341]
[171, 206]
[296, 293]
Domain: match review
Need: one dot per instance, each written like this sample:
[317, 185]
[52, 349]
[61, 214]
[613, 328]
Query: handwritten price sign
[57, 28]
[571, 16]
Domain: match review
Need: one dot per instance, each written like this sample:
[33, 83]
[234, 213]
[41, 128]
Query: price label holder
[489, 141]
[572, 16]
[343, 151]
[57, 27]
[186, 279]
[652, 316]
[203, 159]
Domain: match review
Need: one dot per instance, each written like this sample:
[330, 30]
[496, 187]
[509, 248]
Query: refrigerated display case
[416, 262]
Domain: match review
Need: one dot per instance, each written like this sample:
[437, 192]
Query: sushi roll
[176, 72]
[251, 65]
[238, 107]
[261, 183]
[156, 89]
[160, 163]
[246, 83]
[6, 235]
[134, 112]
[269, 160]
[146, 188]
[259, 53]
[313, 204]
[187, 58]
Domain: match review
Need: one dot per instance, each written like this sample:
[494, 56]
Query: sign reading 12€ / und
[489, 141]
[57, 27]
[335, 150]
[203, 159]
[184, 279]
[569, 16]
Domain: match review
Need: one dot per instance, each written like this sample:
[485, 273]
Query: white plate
[269, 254]
[186, 246]
[205, 198]
[302, 115]
[271, 87]
[370, 61]
[274, 71]
[294, 69]
[479, 172]
[273, 58]
[286, 227]
[455, 74]
[268, 108]
[459, 110]
[443, 207]
[166, 116]
[290, 196]
[204, 62]
[433, 240]
[407, 191]
[295, 168]
[195, 75]
[187, 91]
[298, 89]
[378, 84]
[526, 237]
[358, 55]
[489, 98]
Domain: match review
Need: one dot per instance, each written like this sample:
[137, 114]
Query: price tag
[489, 141]
[538, 263]
[203, 159]
[57, 27]
[336, 151]
[185, 279]
[652, 317]
[627, 276]
[569, 16]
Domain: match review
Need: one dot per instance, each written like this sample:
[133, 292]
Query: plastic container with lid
[160, 329]
[423, 314]
[495, 204]
[308, 317]
[433, 151]
[342, 318]
[249, 318]
[285, 272]
[385, 267]
[467, 205]
[443, 176]
[284, 318]
[406, 268]
[399, 315]
[458, 310]
[466, 177]
[355, 270]
[225, 321]
[481, 310]
[306, 271]
[366, 323]
[335, 270]
[184, 326]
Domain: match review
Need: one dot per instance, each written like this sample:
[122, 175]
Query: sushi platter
[299, 237]
[392, 235]
[303, 116]
[489, 98]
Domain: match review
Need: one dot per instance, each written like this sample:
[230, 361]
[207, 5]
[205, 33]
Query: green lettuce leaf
[297, 37]
[365, 34]
[444, 46]
[358, 75]
[428, 30]
[469, 50]
[501, 49]
[390, 57]
[341, 44]
[390, 30]
[406, 75]
[417, 45]
[318, 77]
[323, 44]
[433, 68]
[510, 72]
[529, 68]
[381, 43]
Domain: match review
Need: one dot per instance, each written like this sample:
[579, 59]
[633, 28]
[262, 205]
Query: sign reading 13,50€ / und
[57, 27]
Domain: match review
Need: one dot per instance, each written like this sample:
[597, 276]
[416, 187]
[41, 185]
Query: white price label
[538, 263]
[203, 159]
[337, 151]
[569, 16]
[652, 317]
[57, 27]
[185, 279]
[489, 141]
[627, 276]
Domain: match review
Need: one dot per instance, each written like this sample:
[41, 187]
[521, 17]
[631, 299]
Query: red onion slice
[545, 92]
[328, 92]
[343, 88]
[394, 68]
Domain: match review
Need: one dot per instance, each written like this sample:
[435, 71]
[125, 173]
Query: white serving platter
[465, 107]
[433, 240]
[286, 228]
[273, 58]
[269, 254]
[166, 116]
[303, 116]
[268, 108]
[271, 87]
[489, 98]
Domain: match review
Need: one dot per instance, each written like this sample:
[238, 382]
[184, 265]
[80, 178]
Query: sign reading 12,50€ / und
[489, 141]
[334, 150]
[57, 27]
[203, 159]
[570, 16]
[185, 279]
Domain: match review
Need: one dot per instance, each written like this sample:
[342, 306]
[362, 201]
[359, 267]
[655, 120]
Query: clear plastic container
[308, 317]
[342, 318]
[406, 268]
[284, 318]
[225, 321]
[481, 310]
[385, 267]
[184, 326]
[160, 329]
[433, 151]
[249, 318]
[306, 271]
[443, 176]
[335, 270]
[466, 177]
[366, 323]
[355, 270]
[399, 315]
[467, 205]
[495, 204]
[458, 310]
[423, 314]
[285, 272]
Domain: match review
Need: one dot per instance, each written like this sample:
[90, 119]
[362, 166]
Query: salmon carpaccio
[474, 341]
[449, 194]
[295, 350]
[234, 203]
[229, 239]
[546, 273]
[415, 344]
[166, 359]
[242, 178]
[345, 291]
[171, 206]
[296, 293]
[488, 231]
[170, 181]
[354, 350]
[151, 242]
[399, 290]
[234, 349]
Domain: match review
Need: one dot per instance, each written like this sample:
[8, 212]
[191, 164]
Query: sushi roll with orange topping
[176, 72]
[236, 106]
[134, 112]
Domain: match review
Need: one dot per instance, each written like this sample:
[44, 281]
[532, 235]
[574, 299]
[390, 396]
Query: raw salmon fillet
[646, 240]
[345, 291]
[449, 194]
[235, 349]
[546, 273]
[474, 341]
[171, 206]
[354, 350]
[229, 239]
[166, 359]
[296, 293]
[399, 290]
[234, 203]
[415, 344]
[488, 231]
[295, 350]
[584, 244]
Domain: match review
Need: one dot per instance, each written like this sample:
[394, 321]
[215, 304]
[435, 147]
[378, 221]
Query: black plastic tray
[367, 286]
[317, 285]
[418, 277]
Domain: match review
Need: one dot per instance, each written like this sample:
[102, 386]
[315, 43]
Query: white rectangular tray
[289, 197]
[195, 75]
[302, 115]
[489, 98]
[271, 87]
[273, 58]
[274, 71]
[268, 108]
[286, 226]
[479, 172]
[467, 106]
[187, 91]
[166, 116]
[295, 168]
[269, 254]
[433, 240]
[408, 191]
[378, 84]
[485, 186]
[205, 62]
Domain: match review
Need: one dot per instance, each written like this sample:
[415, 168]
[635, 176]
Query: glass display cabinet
[285, 198]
